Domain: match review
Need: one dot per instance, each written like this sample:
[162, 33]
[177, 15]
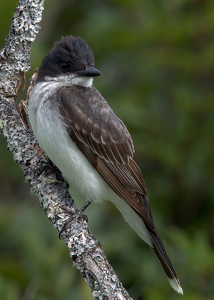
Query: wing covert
[106, 143]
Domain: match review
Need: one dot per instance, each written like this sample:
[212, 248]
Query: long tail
[162, 256]
[151, 237]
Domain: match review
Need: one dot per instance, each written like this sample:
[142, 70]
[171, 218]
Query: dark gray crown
[71, 54]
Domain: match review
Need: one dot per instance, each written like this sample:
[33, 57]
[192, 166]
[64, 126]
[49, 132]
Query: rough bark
[43, 178]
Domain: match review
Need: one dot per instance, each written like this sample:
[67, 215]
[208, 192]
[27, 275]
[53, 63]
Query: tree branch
[44, 179]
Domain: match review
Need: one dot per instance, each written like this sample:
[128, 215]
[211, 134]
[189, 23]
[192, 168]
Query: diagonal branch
[44, 179]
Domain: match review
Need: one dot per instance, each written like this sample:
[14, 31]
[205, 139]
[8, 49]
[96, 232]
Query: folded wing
[105, 141]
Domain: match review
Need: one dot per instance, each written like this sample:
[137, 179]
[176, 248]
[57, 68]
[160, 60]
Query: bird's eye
[64, 67]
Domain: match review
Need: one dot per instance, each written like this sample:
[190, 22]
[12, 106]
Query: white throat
[72, 79]
[82, 81]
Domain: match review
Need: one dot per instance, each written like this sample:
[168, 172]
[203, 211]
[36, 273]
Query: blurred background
[157, 64]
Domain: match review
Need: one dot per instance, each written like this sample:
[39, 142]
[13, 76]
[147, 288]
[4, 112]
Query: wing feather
[106, 143]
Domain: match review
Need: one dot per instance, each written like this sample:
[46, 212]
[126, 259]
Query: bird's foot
[74, 216]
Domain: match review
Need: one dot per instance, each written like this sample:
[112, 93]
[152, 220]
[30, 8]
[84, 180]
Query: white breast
[49, 129]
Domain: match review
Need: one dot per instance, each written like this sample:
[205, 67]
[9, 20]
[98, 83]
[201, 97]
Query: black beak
[89, 72]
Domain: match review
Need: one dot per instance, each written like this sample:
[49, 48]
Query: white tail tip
[176, 285]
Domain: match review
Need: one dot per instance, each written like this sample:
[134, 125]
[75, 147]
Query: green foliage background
[157, 61]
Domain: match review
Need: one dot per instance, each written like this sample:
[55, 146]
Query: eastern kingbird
[90, 145]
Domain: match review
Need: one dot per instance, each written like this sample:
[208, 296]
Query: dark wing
[106, 143]
[103, 138]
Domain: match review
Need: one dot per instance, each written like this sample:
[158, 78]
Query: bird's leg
[85, 206]
[75, 216]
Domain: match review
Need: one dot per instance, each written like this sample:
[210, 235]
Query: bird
[88, 143]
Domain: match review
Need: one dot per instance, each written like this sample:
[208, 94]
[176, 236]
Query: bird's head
[71, 59]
